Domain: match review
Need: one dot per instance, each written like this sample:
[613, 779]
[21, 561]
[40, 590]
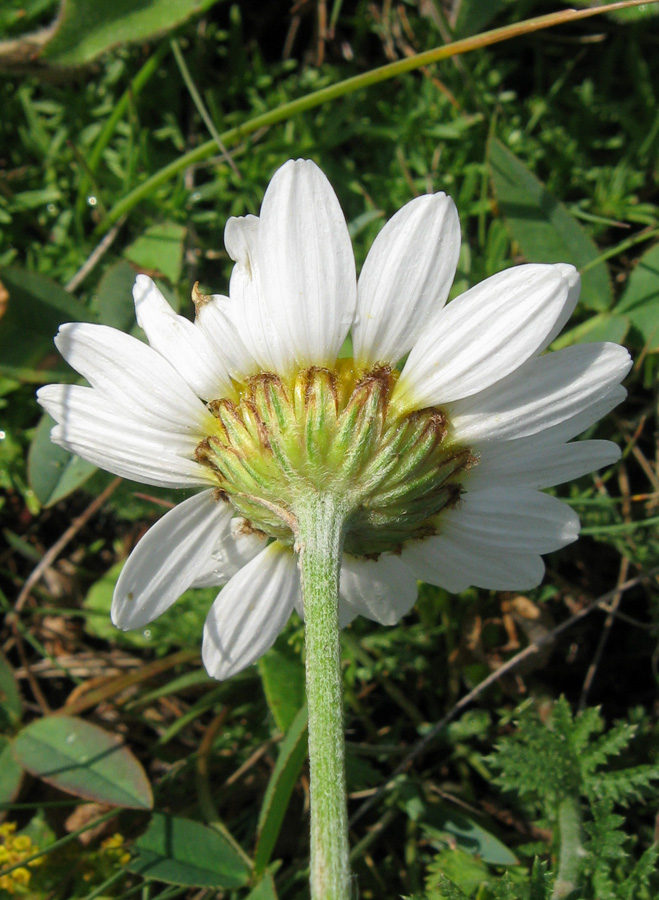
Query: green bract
[335, 431]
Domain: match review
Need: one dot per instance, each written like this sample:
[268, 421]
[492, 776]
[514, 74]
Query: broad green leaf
[601, 327]
[98, 602]
[159, 250]
[178, 626]
[114, 296]
[544, 229]
[472, 837]
[640, 301]
[11, 774]
[264, 890]
[36, 307]
[464, 871]
[292, 754]
[11, 707]
[282, 675]
[82, 759]
[53, 472]
[40, 830]
[86, 28]
[182, 851]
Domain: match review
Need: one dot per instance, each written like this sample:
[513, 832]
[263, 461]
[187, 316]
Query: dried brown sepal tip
[198, 298]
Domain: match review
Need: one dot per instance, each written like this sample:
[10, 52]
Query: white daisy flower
[438, 468]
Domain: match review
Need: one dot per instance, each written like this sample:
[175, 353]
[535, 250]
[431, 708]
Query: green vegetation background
[539, 784]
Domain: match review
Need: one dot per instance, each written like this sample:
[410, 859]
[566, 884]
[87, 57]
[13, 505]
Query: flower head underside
[436, 436]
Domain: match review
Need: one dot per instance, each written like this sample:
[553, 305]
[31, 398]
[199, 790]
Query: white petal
[544, 392]
[250, 612]
[181, 344]
[580, 421]
[493, 540]
[216, 318]
[166, 560]
[406, 278]
[455, 565]
[537, 463]
[485, 334]
[574, 282]
[94, 428]
[307, 265]
[432, 560]
[132, 375]
[383, 590]
[230, 554]
[519, 519]
[252, 318]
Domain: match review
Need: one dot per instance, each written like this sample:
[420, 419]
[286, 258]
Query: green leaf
[11, 707]
[541, 879]
[282, 675]
[53, 472]
[99, 602]
[641, 875]
[624, 785]
[36, 199]
[640, 301]
[159, 250]
[474, 16]
[505, 889]
[36, 308]
[444, 888]
[182, 851]
[612, 743]
[114, 296]
[543, 227]
[11, 774]
[83, 760]
[178, 626]
[264, 890]
[86, 28]
[21, 546]
[601, 327]
[292, 754]
[456, 829]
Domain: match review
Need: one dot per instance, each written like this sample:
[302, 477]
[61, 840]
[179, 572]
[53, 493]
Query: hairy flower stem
[571, 853]
[319, 544]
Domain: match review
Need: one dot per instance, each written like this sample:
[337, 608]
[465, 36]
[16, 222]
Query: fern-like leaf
[603, 748]
[644, 878]
[622, 785]
[537, 762]
[605, 849]
[541, 881]
[445, 889]
[505, 889]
